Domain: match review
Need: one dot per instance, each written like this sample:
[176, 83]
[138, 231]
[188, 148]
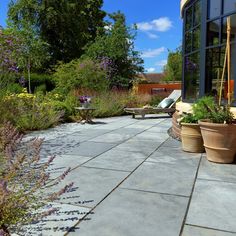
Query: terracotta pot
[191, 138]
[219, 141]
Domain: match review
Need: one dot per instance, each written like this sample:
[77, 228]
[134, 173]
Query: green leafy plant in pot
[219, 134]
[190, 130]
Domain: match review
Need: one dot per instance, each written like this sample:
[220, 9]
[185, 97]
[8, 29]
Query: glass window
[214, 9]
[188, 42]
[192, 76]
[188, 19]
[197, 14]
[213, 33]
[232, 26]
[196, 38]
[229, 6]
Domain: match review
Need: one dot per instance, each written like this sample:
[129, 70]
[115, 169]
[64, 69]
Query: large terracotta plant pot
[219, 141]
[191, 138]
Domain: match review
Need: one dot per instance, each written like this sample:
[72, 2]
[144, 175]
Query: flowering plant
[85, 99]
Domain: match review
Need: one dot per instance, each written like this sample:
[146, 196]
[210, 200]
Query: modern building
[204, 44]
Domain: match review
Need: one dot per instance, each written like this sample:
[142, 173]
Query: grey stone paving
[132, 179]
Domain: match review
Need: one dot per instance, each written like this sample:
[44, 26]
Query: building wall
[182, 3]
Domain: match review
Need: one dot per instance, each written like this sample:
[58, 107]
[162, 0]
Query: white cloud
[152, 36]
[162, 24]
[161, 63]
[153, 52]
[150, 70]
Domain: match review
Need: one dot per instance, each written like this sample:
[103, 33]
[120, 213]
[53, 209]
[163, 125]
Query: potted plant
[190, 130]
[219, 134]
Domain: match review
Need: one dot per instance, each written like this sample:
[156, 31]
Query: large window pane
[214, 9]
[188, 19]
[213, 33]
[196, 38]
[229, 5]
[188, 42]
[197, 13]
[233, 28]
[192, 76]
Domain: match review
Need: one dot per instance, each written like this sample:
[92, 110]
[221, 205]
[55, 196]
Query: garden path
[132, 179]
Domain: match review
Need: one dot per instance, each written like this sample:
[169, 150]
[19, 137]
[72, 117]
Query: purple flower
[85, 99]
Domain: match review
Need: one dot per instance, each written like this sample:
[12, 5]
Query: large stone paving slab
[144, 147]
[164, 177]
[90, 149]
[91, 185]
[146, 136]
[214, 171]
[135, 213]
[117, 159]
[198, 231]
[56, 224]
[213, 205]
[117, 136]
[172, 155]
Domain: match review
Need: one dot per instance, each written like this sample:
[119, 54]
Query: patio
[132, 179]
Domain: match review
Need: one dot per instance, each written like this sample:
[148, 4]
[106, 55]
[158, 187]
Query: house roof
[151, 77]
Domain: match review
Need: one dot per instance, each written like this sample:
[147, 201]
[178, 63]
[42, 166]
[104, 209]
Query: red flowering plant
[24, 181]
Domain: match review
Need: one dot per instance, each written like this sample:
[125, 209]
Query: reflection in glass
[229, 6]
[214, 9]
[188, 19]
[233, 28]
[196, 38]
[197, 13]
[213, 33]
[192, 76]
[188, 42]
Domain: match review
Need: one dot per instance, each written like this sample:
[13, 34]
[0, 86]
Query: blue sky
[159, 26]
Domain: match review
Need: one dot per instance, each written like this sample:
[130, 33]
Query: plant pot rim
[189, 124]
[210, 123]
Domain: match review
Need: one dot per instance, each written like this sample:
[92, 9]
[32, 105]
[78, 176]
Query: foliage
[155, 100]
[206, 108]
[173, 69]
[28, 112]
[66, 26]
[9, 46]
[221, 115]
[76, 74]
[112, 103]
[115, 50]
[24, 181]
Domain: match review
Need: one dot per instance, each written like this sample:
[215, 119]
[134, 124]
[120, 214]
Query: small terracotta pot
[191, 138]
[219, 141]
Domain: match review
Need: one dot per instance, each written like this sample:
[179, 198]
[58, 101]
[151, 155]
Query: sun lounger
[167, 105]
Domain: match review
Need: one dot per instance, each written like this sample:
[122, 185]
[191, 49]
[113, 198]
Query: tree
[173, 69]
[66, 25]
[115, 50]
[24, 22]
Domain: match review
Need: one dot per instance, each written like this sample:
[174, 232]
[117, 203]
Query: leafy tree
[115, 50]
[24, 22]
[173, 69]
[69, 25]
[66, 25]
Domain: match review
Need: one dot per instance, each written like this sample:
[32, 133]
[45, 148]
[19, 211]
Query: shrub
[28, 112]
[24, 181]
[76, 74]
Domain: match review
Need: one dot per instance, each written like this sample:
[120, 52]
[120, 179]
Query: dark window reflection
[188, 42]
[233, 29]
[214, 9]
[188, 19]
[229, 5]
[196, 14]
[196, 38]
[213, 33]
[192, 76]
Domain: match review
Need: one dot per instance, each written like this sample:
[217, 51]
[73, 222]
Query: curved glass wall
[205, 35]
